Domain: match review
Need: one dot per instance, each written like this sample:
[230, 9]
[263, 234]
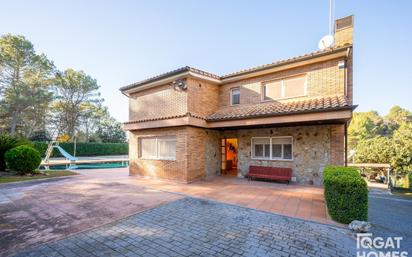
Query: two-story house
[188, 124]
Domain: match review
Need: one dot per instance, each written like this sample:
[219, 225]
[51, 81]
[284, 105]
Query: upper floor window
[284, 88]
[157, 148]
[234, 96]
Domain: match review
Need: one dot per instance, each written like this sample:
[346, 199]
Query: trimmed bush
[8, 142]
[346, 194]
[86, 149]
[23, 159]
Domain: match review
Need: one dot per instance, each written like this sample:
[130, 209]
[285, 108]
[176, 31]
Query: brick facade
[158, 102]
[322, 79]
[197, 154]
[337, 144]
[162, 109]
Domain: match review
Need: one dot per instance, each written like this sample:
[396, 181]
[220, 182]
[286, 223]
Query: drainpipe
[346, 144]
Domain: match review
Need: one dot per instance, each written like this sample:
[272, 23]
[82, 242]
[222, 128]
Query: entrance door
[229, 156]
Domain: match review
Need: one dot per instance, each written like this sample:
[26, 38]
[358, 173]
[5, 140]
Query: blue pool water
[106, 165]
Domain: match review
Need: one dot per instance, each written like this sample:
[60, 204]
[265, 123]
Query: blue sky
[120, 42]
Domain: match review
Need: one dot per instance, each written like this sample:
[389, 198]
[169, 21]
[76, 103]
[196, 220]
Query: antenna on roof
[331, 17]
[329, 40]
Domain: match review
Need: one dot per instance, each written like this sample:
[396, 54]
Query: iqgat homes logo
[369, 246]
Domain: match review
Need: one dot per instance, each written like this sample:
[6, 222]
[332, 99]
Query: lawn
[49, 174]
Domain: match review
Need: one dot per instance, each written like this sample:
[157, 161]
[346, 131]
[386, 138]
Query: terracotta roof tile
[277, 108]
[169, 74]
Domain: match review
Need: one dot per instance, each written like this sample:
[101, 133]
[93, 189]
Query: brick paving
[299, 201]
[195, 227]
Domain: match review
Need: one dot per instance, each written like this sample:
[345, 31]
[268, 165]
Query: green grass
[51, 174]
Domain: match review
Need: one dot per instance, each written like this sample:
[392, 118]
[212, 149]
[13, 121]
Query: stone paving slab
[37, 212]
[196, 227]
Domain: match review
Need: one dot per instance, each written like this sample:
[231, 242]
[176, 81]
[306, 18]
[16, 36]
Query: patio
[298, 201]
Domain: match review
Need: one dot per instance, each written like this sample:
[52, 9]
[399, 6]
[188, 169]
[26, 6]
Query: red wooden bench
[273, 173]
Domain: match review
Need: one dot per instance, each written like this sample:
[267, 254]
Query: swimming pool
[83, 166]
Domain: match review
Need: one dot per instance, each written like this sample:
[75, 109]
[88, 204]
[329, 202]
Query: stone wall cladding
[324, 78]
[164, 101]
[213, 158]
[197, 154]
[311, 150]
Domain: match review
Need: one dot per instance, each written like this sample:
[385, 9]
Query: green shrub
[86, 149]
[346, 194]
[23, 159]
[8, 142]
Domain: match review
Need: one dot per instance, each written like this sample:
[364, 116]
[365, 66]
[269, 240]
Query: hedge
[86, 149]
[346, 194]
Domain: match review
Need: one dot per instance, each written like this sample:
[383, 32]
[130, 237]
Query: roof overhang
[313, 118]
[168, 79]
[325, 117]
[316, 57]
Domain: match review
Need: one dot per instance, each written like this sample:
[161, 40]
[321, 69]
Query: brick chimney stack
[344, 31]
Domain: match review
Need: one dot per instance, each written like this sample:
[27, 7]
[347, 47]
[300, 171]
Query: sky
[121, 42]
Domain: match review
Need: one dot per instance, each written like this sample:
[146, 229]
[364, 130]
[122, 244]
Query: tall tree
[385, 139]
[25, 78]
[364, 125]
[75, 92]
[396, 117]
[110, 130]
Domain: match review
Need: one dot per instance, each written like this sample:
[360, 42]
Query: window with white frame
[261, 148]
[284, 88]
[272, 148]
[157, 148]
[235, 96]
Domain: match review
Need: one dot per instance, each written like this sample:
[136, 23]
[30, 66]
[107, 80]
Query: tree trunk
[14, 122]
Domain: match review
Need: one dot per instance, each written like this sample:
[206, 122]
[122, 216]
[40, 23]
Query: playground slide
[66, 154]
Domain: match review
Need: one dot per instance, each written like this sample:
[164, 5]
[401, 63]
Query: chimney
[344, 31]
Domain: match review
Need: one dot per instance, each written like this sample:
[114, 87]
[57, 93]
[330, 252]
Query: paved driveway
[155, 222]
[391, 216]
[36, 212]
[195, 227]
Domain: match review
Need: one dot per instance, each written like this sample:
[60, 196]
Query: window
[272, 148]
[281, 148]
[261, 148]
[285, 88]
[272, 90]
[234, 96]
[157, 148]
[148, 148]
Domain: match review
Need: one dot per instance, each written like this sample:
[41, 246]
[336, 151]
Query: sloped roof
[237, 73]
[327, 103]
[169, 74]
[287, 61]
